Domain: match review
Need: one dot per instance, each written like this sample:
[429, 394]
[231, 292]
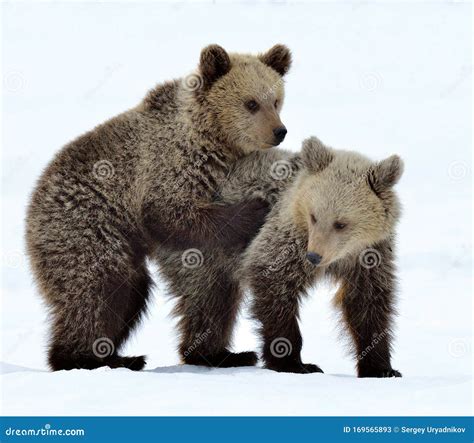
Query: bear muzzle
[314, 258]
[279, 134]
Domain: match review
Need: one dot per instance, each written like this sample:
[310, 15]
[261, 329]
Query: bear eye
[313, 219]
[339, 226]
[252, 106]
[276, 103]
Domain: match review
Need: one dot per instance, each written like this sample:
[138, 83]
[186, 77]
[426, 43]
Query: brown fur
[209, 294]
[333, 187]
[142, 181]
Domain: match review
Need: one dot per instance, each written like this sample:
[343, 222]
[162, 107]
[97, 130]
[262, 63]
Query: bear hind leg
[206, 324]
[88, 333]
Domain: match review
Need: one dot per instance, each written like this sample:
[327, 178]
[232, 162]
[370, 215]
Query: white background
[379, 78]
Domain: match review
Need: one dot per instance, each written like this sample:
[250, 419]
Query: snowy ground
[381, 78]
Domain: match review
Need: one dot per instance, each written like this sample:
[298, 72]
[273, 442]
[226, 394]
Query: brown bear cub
[337, 219]
[142, 181]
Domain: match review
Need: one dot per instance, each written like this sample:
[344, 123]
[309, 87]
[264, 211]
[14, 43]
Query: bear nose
[280, 133]
[314, 258]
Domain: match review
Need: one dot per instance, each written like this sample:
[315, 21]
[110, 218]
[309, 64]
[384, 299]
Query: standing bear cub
[144, 180]
[337, 219]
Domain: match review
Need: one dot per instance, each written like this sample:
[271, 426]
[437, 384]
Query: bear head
[241, 95]
[344, 201]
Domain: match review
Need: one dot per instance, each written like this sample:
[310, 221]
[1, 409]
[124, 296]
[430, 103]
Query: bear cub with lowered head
[337, 219]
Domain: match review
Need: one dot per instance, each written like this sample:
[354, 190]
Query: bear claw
[383, 373]
[296, 368]
[223, 359]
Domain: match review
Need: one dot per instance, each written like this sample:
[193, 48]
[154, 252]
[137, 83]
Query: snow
[188, 390]
[382, 78]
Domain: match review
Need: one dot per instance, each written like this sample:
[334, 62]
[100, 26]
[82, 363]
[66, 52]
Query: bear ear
[214, 63]
[385, 174]
[278, 58]
[315, 155]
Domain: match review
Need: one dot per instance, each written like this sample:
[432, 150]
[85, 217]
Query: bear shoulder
[261, 174]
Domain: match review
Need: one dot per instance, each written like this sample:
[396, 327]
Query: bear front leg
[208, 305]
[282, 350]
[275, 269]
[211, 225]
[277, 311]
[367, 301]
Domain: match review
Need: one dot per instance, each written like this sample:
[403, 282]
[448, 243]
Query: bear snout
[314, 258]
[280, 133]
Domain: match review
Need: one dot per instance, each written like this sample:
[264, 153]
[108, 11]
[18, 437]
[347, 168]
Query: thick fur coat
[142, 181]
[205, 282]
[336, 220]
[332, 205]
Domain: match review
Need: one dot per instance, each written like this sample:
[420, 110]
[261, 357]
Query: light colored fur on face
[247, 77]
[340, 192]
[333, 185]
[260, 83]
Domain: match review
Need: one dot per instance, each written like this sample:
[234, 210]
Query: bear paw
[233, 359]
[380, 373]
[224, 359]
[295, 368]
[248, 222]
